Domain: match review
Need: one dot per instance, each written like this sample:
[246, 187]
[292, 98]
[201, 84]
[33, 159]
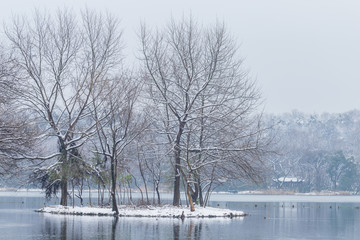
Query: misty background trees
[320, 150]
[186, 117]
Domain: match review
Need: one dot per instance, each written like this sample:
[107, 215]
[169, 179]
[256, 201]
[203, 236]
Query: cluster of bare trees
[65, 65]
[205, 105]
[190, 107]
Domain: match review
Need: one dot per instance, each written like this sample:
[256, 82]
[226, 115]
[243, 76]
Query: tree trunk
[89, 194]
[144, 181]
[157, 192]
[64, 172]
[114, 203]
[113, 187]
[80, 192]
[177, 152]
[176, 199]
[130, 194]
[195, 194]
[73, 193]
[64, 192]
[201, 199]
[99, 192]
[141, 192]
[192, 207]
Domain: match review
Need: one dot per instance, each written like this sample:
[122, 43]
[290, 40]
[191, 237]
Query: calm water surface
[270, 217]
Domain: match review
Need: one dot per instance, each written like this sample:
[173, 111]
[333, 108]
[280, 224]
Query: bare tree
[151, 161]
[154, 165]
[206, 102]
[122, 126]
[64, 63]
[17, 132]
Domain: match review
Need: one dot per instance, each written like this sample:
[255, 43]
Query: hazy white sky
[305, 54]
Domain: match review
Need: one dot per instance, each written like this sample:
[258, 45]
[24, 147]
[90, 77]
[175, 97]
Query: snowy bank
[145, 211]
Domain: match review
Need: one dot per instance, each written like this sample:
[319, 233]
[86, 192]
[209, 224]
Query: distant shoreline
[20, 190]
[284, 192]
[247, 192]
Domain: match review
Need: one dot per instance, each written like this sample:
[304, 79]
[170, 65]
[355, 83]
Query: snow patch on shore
[145, 211]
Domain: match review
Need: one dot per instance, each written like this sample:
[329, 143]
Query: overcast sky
[304, 54]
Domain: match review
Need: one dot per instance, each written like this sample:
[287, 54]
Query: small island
[166, 211]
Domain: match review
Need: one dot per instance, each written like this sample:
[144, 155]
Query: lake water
[270, 217]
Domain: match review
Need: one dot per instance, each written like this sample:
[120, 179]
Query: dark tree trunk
[80, 191]
[64, 172]
[177, 152]
[201, 199]
[158, 193]
[113, 187]
[176, 199]
[114, 203]
[64, 192]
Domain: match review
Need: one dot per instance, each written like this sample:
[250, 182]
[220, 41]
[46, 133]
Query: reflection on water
[113, 228]
[176, 231]
[63, 232]
[285, 219]
[267, 221]
[66, 227]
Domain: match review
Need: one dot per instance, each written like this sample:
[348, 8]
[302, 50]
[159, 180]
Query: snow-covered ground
[145, 211]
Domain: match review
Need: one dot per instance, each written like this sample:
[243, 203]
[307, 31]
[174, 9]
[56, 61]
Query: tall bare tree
[16, 131]
[64, 62]
[206, 102]
[122, 126]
